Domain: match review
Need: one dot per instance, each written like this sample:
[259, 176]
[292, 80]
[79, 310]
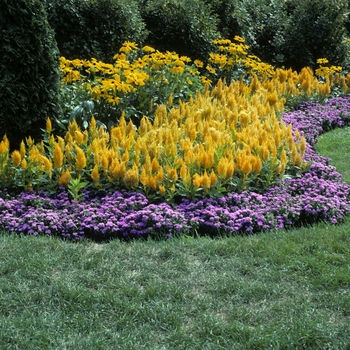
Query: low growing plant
[227, 139]
[138, 81]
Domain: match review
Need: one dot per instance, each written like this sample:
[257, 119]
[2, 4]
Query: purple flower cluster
[102, 216]
[319, 194]
[312, 118]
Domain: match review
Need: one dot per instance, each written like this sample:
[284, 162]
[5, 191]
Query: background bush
[88, 29]
[225, 11]
[29, 69]
[317, 29]
[187, 27]
[294, 33]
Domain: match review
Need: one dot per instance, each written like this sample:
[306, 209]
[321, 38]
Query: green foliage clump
[187, 27]
[29, 69]
[225, 11]
[317, 29]
[264, 27]
[95, 28]
[294, 33]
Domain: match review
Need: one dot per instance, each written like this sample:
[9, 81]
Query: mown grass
[336, 145]
[276, 290]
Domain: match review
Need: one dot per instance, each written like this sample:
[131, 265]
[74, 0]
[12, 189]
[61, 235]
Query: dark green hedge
[185, 26]
[294, 33]
[95, 28]
[29, 69]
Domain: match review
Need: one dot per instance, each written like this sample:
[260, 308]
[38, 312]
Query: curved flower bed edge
[318, 195]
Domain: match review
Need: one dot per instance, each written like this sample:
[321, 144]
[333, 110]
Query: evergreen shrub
[187, 27]
[317, 29]
[264, 27]
[294, 33]
[29, 69]
[88, 29]
[225, 11]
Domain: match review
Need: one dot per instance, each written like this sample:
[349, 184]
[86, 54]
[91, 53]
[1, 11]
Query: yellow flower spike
[293, 153]
[272, 98]
[52, 139]
[131, 178]
[73, 127]
[213, 179]
[196, 180]
[143, 176]
[325, 88]
[160, 175]
[24, 164]
[162, 190]
[41, 147]
[205, 181]
[95, 175]
[283, 157]
[30, 141]
[183, 172]
[125, 157]
[48, 126]
[154, 166]
[160, 116]
[22, 149]
[170, 100]
[34, 153]
[144, 126]
[148, 163]
[80, 159]
[117, 170]
[79, 137]
[172, 174]
[247, 166]
[257, 165]
[104, 161]
[92, 124]
[152, 182]
[47, 164]
[230, 169]
[192, 134]
[303, 146]
[57, 156]
[69, 138]
[16, 158]
[298, 160]
[65, 177]
[222, 167]
[244, 119]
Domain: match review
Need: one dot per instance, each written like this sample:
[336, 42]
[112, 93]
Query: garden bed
[317, 195]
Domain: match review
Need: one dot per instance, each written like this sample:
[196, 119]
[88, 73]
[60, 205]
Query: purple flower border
[319, 194]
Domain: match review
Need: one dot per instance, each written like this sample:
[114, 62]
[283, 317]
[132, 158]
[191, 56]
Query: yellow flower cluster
[225, 139]
[332, 75]
[110, 82]
[324, 71]
[291, 83]
[230, 54]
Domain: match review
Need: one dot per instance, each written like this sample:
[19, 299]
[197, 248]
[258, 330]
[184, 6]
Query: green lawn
[336, 145]
[276, 290]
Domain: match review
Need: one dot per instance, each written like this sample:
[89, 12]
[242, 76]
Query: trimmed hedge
[29, 69]
[187, 27]
[294, 33]
[88, 29]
